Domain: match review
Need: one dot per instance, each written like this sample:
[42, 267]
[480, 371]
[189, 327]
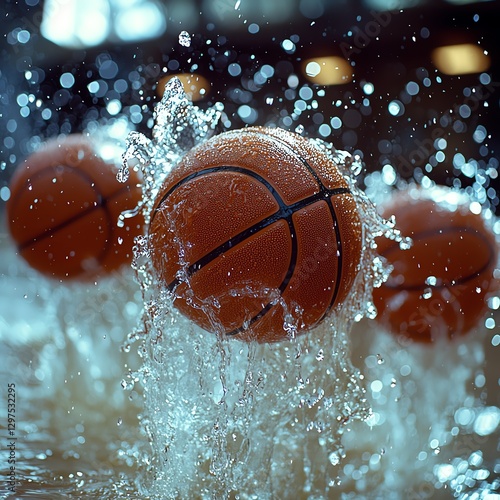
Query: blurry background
[411, 85]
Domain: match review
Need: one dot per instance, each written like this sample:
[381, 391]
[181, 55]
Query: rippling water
[434, 415]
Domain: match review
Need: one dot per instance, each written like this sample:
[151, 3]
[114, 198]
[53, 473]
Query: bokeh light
[330, 70]
[461, 59]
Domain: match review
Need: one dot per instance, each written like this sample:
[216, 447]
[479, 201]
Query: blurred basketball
[64, 208]
[438, 287]
[257, 235]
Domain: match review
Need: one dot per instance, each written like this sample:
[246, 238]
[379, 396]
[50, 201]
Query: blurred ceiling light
[460, 59]
[196, 86]
[137, 20]
[75, 24]
[330, 70]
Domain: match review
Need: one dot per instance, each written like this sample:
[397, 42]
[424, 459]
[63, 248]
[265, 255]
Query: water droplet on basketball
[431, 280]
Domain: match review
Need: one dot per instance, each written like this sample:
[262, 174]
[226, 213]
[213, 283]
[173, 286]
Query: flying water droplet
[123, 175]
[184, 39]
[405, 243]
[431, 280]
[356, 165]
[334, 458]
[299, 129]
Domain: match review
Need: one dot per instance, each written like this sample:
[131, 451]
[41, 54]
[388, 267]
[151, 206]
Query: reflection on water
[76, 429]
[433, 424]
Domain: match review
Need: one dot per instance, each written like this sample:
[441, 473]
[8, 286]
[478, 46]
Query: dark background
[389, 53]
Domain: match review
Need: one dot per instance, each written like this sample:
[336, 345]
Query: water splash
[184, 39]
[224, 417]
[179, 126]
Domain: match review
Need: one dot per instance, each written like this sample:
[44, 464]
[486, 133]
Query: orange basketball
[438, 287]
[254, 229]
[64, 208]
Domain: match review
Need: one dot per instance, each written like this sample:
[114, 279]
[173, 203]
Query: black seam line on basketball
[460, 281]
[294, 152]
[255, 318]
[284, 212]
[240, 236]
[284, 283]
[339, 259]
[101, 203]
[268, 306]
[322, 189]
[223, 168]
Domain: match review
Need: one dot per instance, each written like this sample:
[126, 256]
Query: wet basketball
[63, 212]
[438, 287]
[256, 234]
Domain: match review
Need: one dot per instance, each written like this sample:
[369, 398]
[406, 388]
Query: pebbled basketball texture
[64, 208]
[438, 287]
[256, 234]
